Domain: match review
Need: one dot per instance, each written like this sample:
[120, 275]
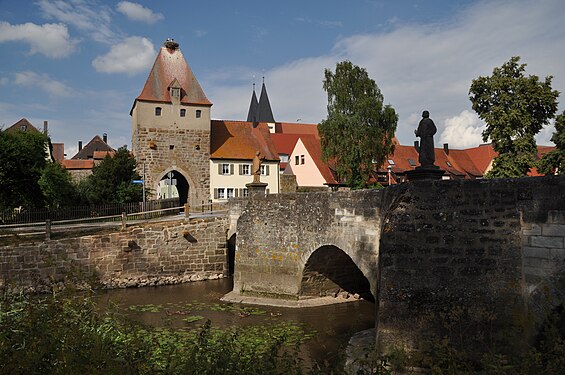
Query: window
[182, 112]
[157, 111]
[301, 159]
[23, 128]
[229, 193]
[390, 161]
[412, 162]
[297, 160]
[171, 147]
[264, 170]
[221, 193]
[244, 192]
[224, 168]
[198, 113]
[175, 92]
[448, 163]
[284, 158]
[245, 169]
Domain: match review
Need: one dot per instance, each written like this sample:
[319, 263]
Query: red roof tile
[240, 140]
[169, 65]
[77, 164]
[102, 154]
[296, 128]
[284, 143]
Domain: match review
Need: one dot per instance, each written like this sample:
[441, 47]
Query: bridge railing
[48, 226]
[26, 216]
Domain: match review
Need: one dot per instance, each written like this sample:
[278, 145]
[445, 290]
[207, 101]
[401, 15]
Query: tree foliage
[111, 180]
[57, 186]
[554, 161]
[359, 129]
[515, 108]
[22, 159]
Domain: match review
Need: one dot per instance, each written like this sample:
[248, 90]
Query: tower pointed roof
[264, 112]
[253, 107]
[169, 65]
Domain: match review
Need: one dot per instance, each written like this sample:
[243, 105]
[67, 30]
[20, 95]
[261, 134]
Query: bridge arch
[328, 269]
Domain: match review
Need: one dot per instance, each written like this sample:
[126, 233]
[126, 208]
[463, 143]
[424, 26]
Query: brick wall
[151, 254]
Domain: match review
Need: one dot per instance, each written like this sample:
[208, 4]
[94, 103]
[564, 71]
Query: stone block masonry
[155, 253]
[163, 150]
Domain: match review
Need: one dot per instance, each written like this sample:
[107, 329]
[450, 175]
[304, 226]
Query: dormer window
[182, 112]
[198, 113]
[175, 92]
[157, 111]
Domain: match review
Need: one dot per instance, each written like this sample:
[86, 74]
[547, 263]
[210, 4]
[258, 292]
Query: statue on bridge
[256, 167]
[426, 130]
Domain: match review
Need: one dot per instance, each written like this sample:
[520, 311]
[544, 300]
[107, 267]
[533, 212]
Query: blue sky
[80, 63]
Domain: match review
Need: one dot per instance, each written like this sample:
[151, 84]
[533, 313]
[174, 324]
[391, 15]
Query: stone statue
[256, 168]
[426, 130]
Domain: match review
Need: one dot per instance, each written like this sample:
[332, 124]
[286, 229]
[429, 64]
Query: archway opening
[329, 271]
[231, 254]
[173, 185]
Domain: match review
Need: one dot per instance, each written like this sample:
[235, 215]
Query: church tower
[171, 129]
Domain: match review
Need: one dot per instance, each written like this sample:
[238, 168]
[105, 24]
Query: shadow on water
[191, 304]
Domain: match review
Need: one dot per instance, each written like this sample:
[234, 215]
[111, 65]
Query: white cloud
[134, 55]
[51, 40]
[85, 15]
[463, 130]
[138, 12]
[44, 82]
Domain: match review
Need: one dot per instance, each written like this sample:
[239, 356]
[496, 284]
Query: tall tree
[22, 158]
[111, 180]
[359, 129]
[515, 108]
[554, 161]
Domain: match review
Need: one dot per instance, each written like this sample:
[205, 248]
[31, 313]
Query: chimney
[79, 145]
[45, 127]
[417, 146]
[446, 148]
[105, 137]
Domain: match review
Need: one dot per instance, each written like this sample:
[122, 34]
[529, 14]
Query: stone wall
[190, 156]
[154, 253]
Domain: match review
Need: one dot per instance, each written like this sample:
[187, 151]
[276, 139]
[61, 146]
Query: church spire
[264, 111]
[252, 114]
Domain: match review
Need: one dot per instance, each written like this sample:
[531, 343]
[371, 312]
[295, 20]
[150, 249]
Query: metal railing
[24, 216]
[48, 226]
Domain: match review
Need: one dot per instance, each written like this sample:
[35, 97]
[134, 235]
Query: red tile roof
[95, 144]
[77, 164]
[102, 154]
[169, 65]
[240, 140]
[284, 143]
[296, 128]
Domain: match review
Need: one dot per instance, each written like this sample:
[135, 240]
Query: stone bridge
[491, 249]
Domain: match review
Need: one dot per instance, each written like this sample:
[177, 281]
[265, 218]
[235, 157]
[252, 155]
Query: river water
[192, 303]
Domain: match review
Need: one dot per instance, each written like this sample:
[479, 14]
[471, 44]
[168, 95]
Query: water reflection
[334, 324]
